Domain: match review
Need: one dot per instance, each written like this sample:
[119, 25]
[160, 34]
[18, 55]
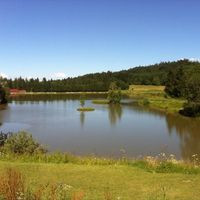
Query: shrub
[13, 187]
[146, 102]
[22, 143]
[3, 99]
[82, 102]
[3, 138]
[114, 94]
[191, 109]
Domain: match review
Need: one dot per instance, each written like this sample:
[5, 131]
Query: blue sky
[55, 38]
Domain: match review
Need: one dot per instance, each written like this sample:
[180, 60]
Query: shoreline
[152, 97]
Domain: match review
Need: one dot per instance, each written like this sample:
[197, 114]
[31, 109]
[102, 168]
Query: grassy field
[109, 182]
[155, 97]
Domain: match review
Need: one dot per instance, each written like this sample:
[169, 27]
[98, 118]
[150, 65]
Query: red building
[17, 91]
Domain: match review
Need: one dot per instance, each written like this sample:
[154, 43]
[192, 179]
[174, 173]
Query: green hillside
[142, 75]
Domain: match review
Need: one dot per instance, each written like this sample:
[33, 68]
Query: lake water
[110, 131]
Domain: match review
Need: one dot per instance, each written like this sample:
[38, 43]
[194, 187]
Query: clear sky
[73, 37]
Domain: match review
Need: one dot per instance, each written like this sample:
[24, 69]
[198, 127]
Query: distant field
[155, 97]
[146, 88]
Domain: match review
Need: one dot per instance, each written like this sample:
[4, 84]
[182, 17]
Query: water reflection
[53, 97]
[82, 118]
[144, 130]
[114, 113]
[188, 131]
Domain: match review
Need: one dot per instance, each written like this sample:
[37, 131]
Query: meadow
[155, 97]
[100, 180]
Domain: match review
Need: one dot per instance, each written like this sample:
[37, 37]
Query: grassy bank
[148, 95]
[155, 97]
[28, 172]
[107, 182]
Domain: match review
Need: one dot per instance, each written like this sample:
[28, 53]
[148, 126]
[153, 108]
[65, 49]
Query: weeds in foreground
[11, 185]
[159, 194]
[14, 187]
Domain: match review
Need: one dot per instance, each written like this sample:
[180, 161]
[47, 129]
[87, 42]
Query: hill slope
[143, 75]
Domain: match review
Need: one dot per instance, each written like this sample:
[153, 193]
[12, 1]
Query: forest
[156, 74]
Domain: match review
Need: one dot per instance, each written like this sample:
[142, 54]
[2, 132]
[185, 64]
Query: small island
[85, 109]
[82, 104]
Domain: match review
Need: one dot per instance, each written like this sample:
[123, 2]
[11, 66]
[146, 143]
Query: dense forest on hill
[145, 75]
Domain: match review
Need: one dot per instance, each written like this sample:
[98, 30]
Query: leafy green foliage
[176, 83]
[193, 91]
[191, 109]
[142, 75]
[3, 99]
[3, 138]
[22, 143]
[114, 93]
[82, 101]
[186, 86]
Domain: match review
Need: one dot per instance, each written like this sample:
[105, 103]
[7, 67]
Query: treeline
[144, 75]
[3, 98]
[185, 85]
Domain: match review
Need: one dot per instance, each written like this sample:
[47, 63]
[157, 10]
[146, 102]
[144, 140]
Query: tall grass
[13, 186]
[149, 164]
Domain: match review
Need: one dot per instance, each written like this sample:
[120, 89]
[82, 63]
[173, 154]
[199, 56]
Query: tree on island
[114, 93]
[82, 101]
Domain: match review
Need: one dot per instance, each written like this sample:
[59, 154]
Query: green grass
[100, 101]
[162, 165]
[85, 109]
[116, 181]
[156, 97]
[108, 179]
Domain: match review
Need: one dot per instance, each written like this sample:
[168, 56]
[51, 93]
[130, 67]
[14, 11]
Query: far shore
[36, 93]
[146, 95]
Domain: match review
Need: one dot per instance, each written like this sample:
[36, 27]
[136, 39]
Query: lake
[110, 131]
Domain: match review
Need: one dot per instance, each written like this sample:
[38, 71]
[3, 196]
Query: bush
[191, 109]
[114, 94]
[3, 138]
[3, 99]
[146, 102]
[22, 143]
